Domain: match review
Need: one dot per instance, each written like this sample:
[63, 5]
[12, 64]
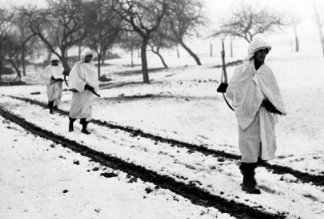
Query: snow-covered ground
[40, 179]
[181, 103]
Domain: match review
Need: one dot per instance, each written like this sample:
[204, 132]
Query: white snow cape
[50, 71]
[248, 88]
[81, 74]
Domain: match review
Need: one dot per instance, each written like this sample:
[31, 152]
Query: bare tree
[104, 25]
[13, 53]
[159, 41]
[183, 17]
[143, 17]
[130, 41]
[295, 21]
[60, 26]
[26, 38]
[16, 42]
[245, 22]
[5, 29]
[319, 25]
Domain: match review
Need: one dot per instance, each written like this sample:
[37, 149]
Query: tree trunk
[16, 67]
[211, 49]
[144, 60]
[157, 52]
[322, 43]
[319, 26]
[23, 57]
[99, 66]
[103, 57]
[23, 51]
[1, 61]
[79, 51]
[296, 38]
[65, 62]
[178, 52]
[161, 58]
[18, 73]
[231, 47]
[1, 66]
[196, 58]
[132, 56]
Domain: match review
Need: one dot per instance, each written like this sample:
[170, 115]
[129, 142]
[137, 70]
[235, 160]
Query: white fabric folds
[53, 88]
[50, 71]
[247, 89]
[81, 105]
[54, 92]
[81, 74]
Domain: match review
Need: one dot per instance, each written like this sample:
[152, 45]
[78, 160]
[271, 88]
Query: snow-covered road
[280, 192]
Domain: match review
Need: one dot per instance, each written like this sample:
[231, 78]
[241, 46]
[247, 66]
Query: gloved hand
[88, 87]
[52, 80]
[270, 107]
[222, 88]
[66, 72]
[56, 80]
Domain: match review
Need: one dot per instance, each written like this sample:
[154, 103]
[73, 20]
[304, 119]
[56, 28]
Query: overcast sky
[8, 3]
[218, 9]
[214, 7]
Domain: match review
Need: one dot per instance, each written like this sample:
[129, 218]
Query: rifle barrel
[223, 62]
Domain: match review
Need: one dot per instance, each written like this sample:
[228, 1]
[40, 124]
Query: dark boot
[84, 126]
[71, 128]
[249, 182]
[261, 162]
[51, 106]
[252, 170]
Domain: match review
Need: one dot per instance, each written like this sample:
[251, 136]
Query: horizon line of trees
[132, 24]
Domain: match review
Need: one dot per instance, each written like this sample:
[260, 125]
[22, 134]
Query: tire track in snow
[196, 195]
[317, 180]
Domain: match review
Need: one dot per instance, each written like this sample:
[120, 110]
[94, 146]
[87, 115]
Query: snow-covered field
[42, 180]
[39, 179]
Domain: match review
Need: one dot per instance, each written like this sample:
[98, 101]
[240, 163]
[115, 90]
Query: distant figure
[256, 100]
[52, 76]
[84, 83]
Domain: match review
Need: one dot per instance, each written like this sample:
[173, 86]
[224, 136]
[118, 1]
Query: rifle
[224, 82]
[88, 87]
[66, 73]
[95, 93]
